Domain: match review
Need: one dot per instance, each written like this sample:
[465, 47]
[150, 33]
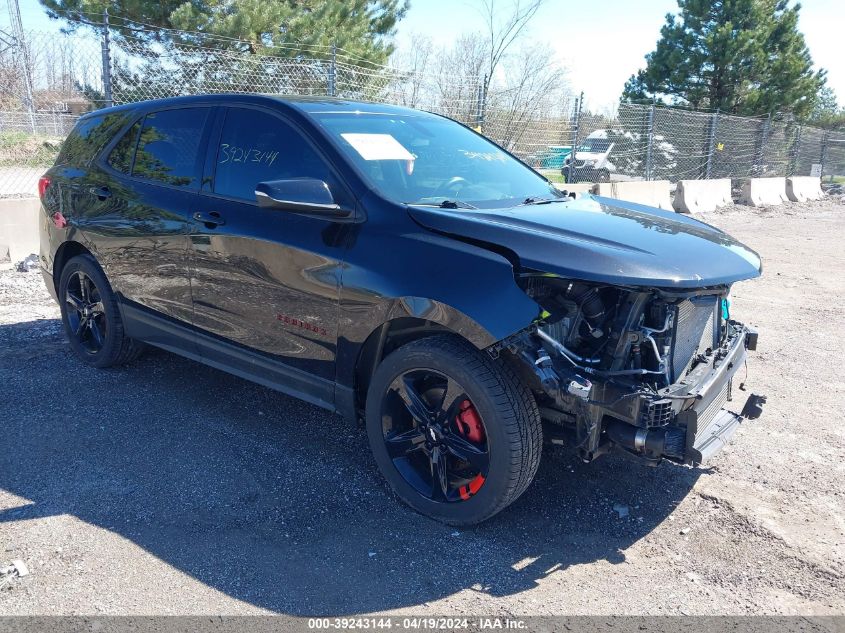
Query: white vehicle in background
[592, 162]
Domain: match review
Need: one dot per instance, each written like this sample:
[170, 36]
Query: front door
[264, 279]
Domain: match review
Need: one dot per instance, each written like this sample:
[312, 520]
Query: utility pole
[106, 61]
[18, 34]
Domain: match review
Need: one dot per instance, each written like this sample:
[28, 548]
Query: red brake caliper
[469, 426]
[469, 422]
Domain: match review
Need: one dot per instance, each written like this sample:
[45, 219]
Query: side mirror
[300, 195]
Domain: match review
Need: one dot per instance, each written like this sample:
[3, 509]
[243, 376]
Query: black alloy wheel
[91, 316]
[456, 434]
[434, 436]
[86, 315]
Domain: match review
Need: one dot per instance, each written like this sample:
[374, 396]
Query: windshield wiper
[443, 204]
[532, 200]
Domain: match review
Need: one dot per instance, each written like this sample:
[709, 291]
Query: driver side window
[256, 146]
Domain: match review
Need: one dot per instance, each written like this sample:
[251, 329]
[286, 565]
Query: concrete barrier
[699, 196]
[654, 193]
[19, 228]
[577, 187]
[803, 188]
[758, 192]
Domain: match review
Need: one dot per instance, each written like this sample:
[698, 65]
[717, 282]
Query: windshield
[424, 159]
[595, 145]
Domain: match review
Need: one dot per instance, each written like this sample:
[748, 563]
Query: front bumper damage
[709, 426]
[685, 422]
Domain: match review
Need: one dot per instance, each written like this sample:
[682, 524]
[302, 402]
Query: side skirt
[154, 329]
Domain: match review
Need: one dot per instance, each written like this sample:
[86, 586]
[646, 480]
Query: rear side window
[256, 146]
[169, 145]
[121, 155]
[89, 136]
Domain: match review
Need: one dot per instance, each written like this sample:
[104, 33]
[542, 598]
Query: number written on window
[255, 147]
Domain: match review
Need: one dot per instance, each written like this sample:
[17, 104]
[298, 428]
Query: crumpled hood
[604, 240]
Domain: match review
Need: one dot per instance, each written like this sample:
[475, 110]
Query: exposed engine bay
[645, 369]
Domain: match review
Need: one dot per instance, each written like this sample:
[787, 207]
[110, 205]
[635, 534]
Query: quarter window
[120, 157]
[168, 146]
[256, 146]
[89, 136]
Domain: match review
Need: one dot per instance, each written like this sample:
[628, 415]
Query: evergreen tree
[740, 56]
[289, 28]
[827, 113]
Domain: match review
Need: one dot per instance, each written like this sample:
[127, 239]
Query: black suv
[395, 266]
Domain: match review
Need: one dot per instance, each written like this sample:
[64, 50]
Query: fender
[464, 288]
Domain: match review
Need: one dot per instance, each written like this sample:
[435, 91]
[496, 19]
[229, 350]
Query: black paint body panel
[289, 299]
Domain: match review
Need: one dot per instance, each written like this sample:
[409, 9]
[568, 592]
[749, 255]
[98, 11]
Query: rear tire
[503, 447]
[91, 317]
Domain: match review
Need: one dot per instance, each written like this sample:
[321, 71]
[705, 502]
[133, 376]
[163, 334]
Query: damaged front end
[645, 369]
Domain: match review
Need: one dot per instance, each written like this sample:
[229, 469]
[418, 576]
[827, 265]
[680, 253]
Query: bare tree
[457, 73]
[504, 30]
[531, 101]
[411, 71]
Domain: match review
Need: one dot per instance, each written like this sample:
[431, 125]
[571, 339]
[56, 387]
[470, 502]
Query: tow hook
[753, 408]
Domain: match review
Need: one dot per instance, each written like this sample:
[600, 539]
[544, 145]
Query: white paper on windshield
[378, 147]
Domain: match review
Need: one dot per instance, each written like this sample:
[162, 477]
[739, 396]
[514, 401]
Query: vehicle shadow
[277, 503]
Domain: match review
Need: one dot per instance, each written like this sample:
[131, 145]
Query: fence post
[823, 157]
[479, 107]
[483, 102]
[794, 152]
[711, 144]
[649, 152]
[577, 123]
[106, 61]
[333, 72]
[761, 149]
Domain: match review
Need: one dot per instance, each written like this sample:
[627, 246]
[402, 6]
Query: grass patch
[553, 174]
[19, 149]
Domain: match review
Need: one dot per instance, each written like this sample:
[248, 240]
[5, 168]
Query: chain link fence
[47, 80]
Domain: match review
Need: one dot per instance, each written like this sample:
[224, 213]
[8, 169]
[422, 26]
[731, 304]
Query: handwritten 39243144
[235, 154]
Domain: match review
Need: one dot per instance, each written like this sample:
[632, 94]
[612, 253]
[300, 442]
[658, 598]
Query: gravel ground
[166, 487]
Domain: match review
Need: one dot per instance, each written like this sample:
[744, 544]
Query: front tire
[456, 434]
[91, 317]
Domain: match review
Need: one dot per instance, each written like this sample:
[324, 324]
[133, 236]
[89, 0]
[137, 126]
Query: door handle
[102, 193]
[210, 220]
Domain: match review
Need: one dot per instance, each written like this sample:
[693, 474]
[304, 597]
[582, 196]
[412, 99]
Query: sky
[600, 43]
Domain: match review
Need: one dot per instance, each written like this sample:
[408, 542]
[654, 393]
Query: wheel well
[66, 252]
[385, 339]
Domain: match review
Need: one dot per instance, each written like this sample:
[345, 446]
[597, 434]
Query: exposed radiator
[694, 331]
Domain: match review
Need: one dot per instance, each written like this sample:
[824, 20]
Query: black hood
[604, 240]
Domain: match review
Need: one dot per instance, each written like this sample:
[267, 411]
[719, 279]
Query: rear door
[149, 186]
[264, 279]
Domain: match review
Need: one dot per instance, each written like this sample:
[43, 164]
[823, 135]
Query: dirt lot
[168, 487]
